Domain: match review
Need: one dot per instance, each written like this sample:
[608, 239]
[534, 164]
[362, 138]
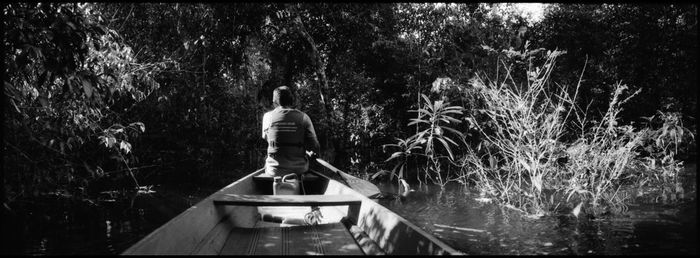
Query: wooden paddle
[362, 186]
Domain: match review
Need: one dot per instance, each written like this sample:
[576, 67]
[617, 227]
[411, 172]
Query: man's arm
[265, 126]
[310, 140]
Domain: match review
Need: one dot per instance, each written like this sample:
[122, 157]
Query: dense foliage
[108, 95]
[650, 47]
[68, 82]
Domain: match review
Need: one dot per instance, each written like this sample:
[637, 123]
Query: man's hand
[311, 154]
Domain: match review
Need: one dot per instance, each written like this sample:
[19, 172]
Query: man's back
[289, 132]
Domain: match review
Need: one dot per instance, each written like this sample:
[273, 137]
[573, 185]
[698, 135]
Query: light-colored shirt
[289, 133]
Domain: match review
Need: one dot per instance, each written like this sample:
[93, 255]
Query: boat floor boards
[328, 239]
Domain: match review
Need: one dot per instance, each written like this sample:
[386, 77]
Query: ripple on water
[644, 229]
[62, 227]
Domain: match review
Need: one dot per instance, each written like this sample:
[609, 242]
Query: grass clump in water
[540, 150]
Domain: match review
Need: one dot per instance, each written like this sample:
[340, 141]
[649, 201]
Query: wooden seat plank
[288, 200]
[268, 178]
[292, 215]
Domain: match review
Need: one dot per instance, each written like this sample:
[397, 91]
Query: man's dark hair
[283, 96]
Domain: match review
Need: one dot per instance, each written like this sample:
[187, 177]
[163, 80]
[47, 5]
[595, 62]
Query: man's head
[283, 96]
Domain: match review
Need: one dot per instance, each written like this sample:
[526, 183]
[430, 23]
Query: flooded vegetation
[662, 223]
[533, 149]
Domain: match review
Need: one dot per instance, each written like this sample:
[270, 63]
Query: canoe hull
[204, 227]
[184, 233]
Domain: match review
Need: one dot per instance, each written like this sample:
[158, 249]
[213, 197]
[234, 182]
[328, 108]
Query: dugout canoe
[244, 218]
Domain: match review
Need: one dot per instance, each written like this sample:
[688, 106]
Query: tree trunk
[322, 89]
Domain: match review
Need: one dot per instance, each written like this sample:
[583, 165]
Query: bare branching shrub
[598, 159]
[525, 124]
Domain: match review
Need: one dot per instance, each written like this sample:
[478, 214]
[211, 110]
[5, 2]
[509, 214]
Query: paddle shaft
[332, 168]
[357, 184]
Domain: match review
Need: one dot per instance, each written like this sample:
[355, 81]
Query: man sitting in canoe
[289, 134]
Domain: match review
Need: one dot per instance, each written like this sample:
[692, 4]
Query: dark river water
[652, 225]
[474, 227]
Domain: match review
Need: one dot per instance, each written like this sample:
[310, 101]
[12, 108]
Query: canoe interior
[328, 239]
[206, 228]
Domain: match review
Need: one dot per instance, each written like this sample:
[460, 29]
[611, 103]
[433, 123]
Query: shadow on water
[652, 225]
[53, 225]
[108, 225]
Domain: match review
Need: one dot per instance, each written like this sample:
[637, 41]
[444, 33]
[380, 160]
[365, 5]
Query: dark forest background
[109, 95]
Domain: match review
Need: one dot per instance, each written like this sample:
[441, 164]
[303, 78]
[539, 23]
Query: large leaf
[394, 155]
[393, 171]
[379, 173]
[416, 121]
[125, 146]
[448, 119]
[452, 130]
[450, 140]
[139, 125]
[391, 145]
[426, 99]
[447, 147]
[422, 111]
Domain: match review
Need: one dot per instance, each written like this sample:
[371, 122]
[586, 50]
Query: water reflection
[56, 226]
[656, 226]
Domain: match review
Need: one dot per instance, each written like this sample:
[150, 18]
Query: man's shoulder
[305, 118]
[302, 112]
[271, 112]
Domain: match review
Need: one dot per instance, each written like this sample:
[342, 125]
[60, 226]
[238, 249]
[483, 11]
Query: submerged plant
[599, 158]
